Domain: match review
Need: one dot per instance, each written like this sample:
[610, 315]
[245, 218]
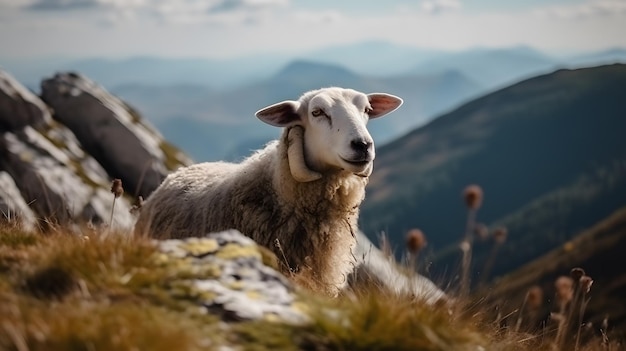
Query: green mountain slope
[549, 152]
[598, 250]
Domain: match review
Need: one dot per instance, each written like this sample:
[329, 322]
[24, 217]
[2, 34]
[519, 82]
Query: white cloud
[210, 28]
[587, 9]
[317, 17]
[440, 6]
[14, 3]
[164, 11]
[247, 5]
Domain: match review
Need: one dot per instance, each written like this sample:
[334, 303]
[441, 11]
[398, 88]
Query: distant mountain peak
[308, 67]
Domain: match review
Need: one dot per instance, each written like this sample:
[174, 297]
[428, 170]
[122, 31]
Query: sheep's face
[334, 122]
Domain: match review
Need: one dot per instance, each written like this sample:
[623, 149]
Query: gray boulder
[45, 175]
[224, 274]
[14, 208]
[18, 106]
[112, 132]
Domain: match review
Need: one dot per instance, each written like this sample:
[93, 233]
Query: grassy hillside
[549, 152]
[599, 251]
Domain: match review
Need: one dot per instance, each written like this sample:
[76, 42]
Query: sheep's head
[333, 130]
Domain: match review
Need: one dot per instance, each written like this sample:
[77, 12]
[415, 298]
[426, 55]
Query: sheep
[299, 196]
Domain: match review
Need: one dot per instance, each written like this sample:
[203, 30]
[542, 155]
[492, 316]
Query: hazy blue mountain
[214, 73]
[211, 140]
[306, 72]
[549, 152]
[492, 68]
[160, 103]
[374, 58]
[223, 112]
[30, 71]
[219, 74]
[425, 97]
[615, 55]
[488, 67]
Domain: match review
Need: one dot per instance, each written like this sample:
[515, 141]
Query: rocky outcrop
[224, 274]
[19, 107]
[14, 208]
[111, 132]
[56, 164]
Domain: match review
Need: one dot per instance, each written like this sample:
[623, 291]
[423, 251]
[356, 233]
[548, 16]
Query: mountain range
[369, 58]
[206, 106]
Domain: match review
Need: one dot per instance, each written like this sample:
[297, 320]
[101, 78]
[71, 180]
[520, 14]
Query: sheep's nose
[361, 145]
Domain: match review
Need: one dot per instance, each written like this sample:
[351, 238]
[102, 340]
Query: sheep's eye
[317, 112]
[367, 110]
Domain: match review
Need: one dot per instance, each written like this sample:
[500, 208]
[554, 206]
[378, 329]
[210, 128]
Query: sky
[235, 28]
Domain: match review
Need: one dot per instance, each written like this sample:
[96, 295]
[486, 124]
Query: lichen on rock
[224, 273]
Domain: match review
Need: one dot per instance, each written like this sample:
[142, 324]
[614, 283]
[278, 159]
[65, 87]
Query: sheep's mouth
[357, 163]
[361, 168]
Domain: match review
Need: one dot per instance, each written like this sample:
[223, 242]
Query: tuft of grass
[13, 237]
[385, 322]
[65, 291]
[79, 324]
[377, 320]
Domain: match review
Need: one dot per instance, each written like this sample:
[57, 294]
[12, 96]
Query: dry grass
[64, 291]
[67, 291]
[406, 324]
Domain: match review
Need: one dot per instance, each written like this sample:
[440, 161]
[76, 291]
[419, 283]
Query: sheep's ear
[282, 114]
[382, 104]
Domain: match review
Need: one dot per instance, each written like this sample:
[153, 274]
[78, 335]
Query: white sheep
[299, 196]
